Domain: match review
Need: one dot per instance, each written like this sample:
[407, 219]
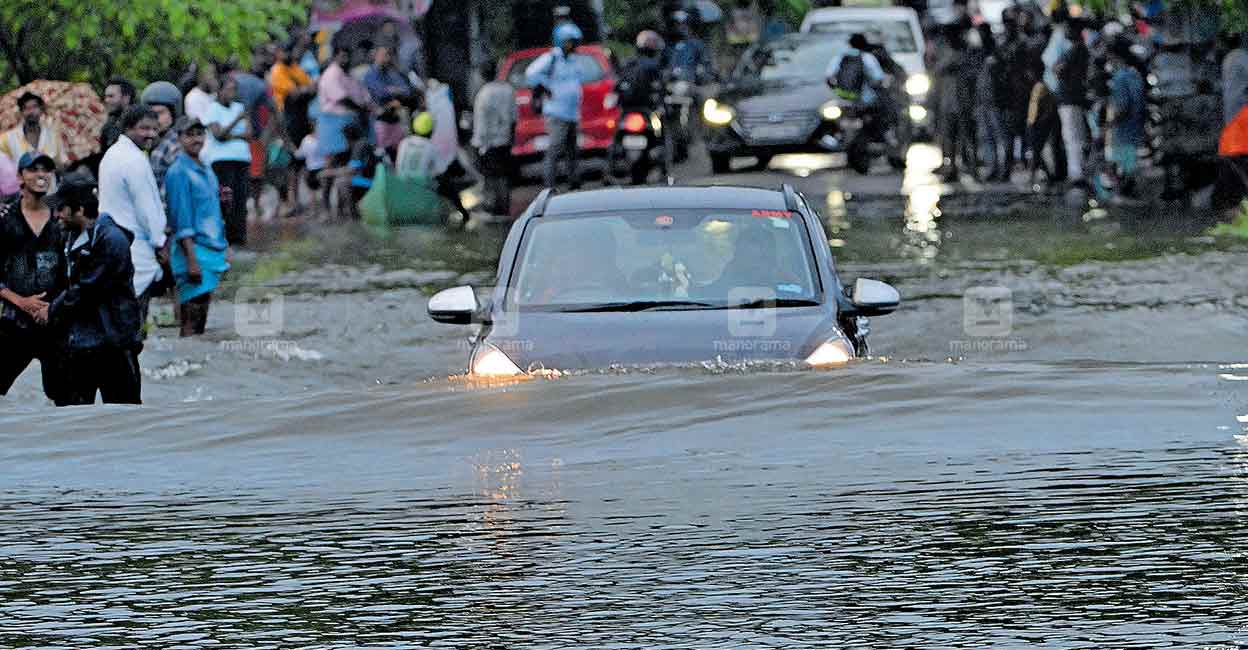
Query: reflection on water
[922, 232]
[836, 218]
[884, 505]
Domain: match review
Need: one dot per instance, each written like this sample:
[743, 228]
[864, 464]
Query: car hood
[599, 340]
[776, 94]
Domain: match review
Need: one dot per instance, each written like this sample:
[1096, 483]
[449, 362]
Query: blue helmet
[567, 32]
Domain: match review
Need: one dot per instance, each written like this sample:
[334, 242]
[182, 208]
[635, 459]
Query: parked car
[600, 110]
[665, 275]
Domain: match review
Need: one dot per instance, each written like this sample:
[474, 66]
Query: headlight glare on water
[489, 361]
[833, 353]
[830, 111]
[716, 113]
[918, 84]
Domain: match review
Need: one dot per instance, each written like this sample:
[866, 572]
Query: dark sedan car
[777, 101]
[665, 275]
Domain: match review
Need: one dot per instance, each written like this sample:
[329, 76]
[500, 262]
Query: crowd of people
[181, 167]
[1063, 98]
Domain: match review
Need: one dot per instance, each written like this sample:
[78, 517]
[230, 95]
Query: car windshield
[591, 70]
[895, 35]
[664, 259]
[792, 58]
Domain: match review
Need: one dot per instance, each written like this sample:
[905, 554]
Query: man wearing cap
[129, 194]
[199, 255]
[97, 315]
[32, 271]
[34, 133]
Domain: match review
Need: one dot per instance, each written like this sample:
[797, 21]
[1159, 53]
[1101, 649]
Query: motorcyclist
[855, 74]
[686, 58]
[641, 77]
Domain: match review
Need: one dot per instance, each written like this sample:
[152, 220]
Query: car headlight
[830, 111]
[917, 113]
[716, 113]
[656, 123]
[918, 84]
[489, 361]
[833, 353]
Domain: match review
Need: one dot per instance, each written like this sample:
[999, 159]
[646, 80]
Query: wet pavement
[1075, 476]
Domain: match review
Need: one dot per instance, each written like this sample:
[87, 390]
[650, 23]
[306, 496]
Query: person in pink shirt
[343, 100]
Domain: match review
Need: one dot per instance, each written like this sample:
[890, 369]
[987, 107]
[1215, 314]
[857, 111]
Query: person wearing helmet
[686, 56]
[164, 99]
[556, 78]
[416, 155]
[641, 77]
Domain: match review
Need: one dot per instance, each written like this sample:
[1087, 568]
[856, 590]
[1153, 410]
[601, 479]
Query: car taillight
[634, 123]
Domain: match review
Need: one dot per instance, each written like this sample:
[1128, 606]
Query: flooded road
[889, 504]
[1081, 480]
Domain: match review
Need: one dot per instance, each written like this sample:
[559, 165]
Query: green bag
[393, 201]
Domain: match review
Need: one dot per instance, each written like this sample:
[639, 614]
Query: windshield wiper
[773, 302]
[639, 305]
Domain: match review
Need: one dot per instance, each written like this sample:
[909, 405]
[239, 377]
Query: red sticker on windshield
[663, 220]
[778, 214]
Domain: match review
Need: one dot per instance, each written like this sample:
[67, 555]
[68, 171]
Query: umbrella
[73, 108]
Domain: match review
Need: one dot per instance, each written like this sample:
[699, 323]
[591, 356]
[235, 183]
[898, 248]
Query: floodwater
[1085, 488]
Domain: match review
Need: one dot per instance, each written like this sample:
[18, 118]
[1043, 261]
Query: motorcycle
[639, 146]
[861, 131]
[680, 102]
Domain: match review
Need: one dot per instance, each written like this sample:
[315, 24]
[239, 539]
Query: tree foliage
[144, 40]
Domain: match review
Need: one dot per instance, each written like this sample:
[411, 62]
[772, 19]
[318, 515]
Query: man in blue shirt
[557, 78]
[199, 258]
[391, 91]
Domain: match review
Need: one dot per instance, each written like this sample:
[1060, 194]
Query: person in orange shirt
[292, 90]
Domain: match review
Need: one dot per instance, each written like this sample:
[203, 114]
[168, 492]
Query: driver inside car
[754, 266]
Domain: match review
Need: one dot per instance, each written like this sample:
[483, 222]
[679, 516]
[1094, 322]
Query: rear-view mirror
[456, 306]
[875, 298]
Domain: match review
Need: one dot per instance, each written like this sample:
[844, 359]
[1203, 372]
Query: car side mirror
[455, 306]
[875, 298]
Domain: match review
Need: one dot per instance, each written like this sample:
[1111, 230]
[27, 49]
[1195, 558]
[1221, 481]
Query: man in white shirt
[129, 194]
[203, 94]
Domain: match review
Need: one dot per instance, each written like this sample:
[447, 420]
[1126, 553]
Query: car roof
[710, 197]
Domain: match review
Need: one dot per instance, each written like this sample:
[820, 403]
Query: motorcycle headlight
[656, 123]
[917, 113]
[836, 352]
[489, 361]
[716, 113]
[918, 84]
[830, 111]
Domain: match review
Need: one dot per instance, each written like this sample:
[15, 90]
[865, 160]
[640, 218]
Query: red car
[600, 108]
